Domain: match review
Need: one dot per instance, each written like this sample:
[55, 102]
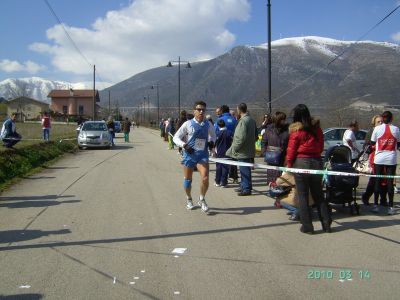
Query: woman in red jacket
[306, 143]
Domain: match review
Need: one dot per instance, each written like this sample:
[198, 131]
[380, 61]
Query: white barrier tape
[227, 161]
[14, 139]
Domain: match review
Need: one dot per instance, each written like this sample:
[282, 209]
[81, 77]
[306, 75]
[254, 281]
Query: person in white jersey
[349, 140]
[386, 138]
[196, 136]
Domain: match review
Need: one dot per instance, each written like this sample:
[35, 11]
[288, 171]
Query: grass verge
[15, 163]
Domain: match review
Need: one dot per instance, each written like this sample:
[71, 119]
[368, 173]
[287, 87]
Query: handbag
[273, 156]
[362, 165]
[279, 191]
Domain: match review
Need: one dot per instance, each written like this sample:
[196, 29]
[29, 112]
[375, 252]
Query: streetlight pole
[179, 61]
[158, 101]
[269, 59]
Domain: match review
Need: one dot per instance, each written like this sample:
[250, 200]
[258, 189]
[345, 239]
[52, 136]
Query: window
[65, 109]
[80, 110]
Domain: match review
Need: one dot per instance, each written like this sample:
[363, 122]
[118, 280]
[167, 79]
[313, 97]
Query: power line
[66, 32]
[337, 56]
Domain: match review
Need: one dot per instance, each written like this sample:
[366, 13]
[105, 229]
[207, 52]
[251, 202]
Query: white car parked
[334, 136]
[94, 134]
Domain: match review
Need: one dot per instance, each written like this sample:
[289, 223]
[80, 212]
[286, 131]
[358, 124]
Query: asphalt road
[104, 224]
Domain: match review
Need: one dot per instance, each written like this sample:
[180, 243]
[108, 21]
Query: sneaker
[375, 209]
[189, 204]
[391, 211]
[217, 184]
[203, 205]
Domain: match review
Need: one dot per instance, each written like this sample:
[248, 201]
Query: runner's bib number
[199, 144]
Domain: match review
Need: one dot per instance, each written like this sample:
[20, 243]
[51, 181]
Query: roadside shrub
[19, 162]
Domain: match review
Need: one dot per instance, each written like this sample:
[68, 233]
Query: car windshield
[94, 127]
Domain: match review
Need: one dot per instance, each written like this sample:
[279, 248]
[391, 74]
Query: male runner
[195, 136]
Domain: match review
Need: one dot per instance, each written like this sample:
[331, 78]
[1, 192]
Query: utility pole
[158, 105]
[109, 102]
[94, 92]
[269, 59]
[148, 107]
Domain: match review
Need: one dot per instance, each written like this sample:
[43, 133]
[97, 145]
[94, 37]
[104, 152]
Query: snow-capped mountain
[34, 87]
[302, 72]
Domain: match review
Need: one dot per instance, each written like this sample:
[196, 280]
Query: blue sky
[124, 37]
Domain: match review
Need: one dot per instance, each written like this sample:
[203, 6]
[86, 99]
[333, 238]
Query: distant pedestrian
[182, 119]
[162, 128]
[370, 149]
[46, 125]
[275, 141]
[170, 131]
[111, 129]
[230, 121]
[222, 144]
[386, 138]
[126, 128]
[209, 118]
[9, 134]
[349, 140]
[243, 147]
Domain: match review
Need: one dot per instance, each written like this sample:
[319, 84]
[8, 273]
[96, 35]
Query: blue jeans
[290, 208]
[245, 175]
[46, 134]
[221, 174]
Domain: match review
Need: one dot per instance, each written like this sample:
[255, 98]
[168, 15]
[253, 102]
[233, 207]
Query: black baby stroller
[341, 189]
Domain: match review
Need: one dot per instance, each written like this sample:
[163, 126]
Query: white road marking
[24, 286]
[179, 250]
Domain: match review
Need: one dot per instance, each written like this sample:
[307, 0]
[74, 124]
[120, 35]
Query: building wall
[72, 105]
[30, 109]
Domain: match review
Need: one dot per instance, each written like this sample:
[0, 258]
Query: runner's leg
[203, 169]
[187, 174]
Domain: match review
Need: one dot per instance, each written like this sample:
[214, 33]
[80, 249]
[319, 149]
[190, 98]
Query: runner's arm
[181, 135]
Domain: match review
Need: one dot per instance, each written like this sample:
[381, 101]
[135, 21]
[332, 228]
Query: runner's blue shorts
[191, 160]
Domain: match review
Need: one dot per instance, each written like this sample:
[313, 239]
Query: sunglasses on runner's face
[200, 109]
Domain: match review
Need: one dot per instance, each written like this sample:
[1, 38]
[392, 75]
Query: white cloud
[146, 34]
[396, 37]
[11, 66]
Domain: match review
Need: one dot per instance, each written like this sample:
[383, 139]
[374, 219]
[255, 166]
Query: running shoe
[189, 204]
[391, 211]
[375, 209]
[216, 184]
[203, 205]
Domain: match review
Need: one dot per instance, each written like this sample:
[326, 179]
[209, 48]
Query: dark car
[117, 126]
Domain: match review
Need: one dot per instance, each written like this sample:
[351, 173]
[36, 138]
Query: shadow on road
[40, 177]
[60, 168]
[26, 204]
[22, 297]
[13, 236]
[34, 198]
[141, 238]
[240, 210]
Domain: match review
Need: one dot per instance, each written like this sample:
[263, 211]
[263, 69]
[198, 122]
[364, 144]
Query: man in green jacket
[243, 147]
